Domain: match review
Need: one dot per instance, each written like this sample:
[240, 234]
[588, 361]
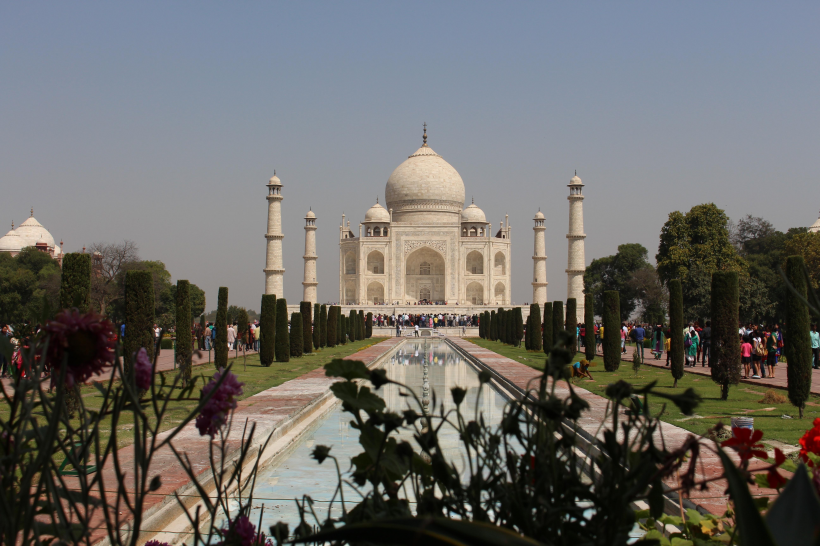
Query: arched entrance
[475, 293]
[424, 276]
[475, 263]
[375, 293]
[499, 294]
[375, 263]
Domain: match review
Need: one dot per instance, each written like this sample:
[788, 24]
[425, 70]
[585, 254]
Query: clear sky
[161, 122]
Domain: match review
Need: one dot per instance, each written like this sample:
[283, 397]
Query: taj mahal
[423, 246]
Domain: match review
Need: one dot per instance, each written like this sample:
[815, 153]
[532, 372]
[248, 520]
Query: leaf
[794, 516]
[347, 369]
[358, 398]
[428, 531]
[753, 530]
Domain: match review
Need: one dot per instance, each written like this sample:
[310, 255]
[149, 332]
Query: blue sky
[162, 121]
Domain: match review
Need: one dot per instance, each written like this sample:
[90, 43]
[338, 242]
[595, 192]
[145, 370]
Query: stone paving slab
[713, 499]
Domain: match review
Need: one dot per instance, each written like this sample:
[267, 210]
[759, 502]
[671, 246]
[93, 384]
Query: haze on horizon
[162, 122]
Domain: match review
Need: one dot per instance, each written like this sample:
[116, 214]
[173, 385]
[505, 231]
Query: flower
[810, 443]
[215, 412]
[241, 532]
[746, 443]
[85, 342]
[143, 370]
[776, 481]
[156, 543]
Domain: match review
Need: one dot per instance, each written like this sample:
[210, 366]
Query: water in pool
[277, 486]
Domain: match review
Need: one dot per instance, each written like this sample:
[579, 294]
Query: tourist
[706, 344]
[815, 347]
[690, 343]
[658, 341]
[256, 333]
[771, 351]
[758, 350]
[623, 332]
[746, 356]
[157, 333]
[231, 337]
[417, 330]
[639, 335]
[398, 330]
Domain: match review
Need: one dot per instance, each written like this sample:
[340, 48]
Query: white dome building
[425, 245]
[30, 233]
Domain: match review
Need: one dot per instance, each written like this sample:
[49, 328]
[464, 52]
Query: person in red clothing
[746, 356]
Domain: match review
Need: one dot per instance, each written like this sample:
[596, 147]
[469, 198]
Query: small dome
[377, 213]
[310, 214]
[575, 181]
[539, 215]
[815, 227]
[473, 214]
[274, 180]
[11, 242]
[32, 233]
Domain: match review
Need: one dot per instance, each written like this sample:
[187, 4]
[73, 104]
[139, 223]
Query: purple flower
[156, 542]
[142, 370]
[85, 341]
[215, 412]
[241, 532]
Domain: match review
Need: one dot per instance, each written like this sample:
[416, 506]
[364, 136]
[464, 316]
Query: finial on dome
[424, 138]
[377, 199]
[32, 212]
[472, 199]
[12, 224]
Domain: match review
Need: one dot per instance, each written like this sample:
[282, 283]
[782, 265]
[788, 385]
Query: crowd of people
[424, 320]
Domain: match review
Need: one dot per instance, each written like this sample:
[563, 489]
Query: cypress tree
[368, 326]
[360, 326]
[589, 327]
[612, 327]
[343, 329]
[307, 327]
[547, 339]
[282, 334]
[242, 322]
[502, 328]
[482, 326]
[351, 325]
[221, 327]
[535, 313]
[139, 315]
[493, 326]
[297, 344]
[725, 342]
[518, 319]
[185, 341]
[317, 330]
[323, 325]
[557, 319]
[267, 337]
[338, 321]
[528, 332]
[796, 334]
[332, 325]
[572, 323]
[676, 355]
[75, 282]
[488, 323]
[509, 325]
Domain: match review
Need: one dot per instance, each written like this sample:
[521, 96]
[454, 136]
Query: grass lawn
[744, 400]
[256, 378]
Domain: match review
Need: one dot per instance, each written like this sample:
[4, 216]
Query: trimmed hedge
[282, 334]
[535, 340]
[725, 342]
[332, 325]
[509, 325]
[343, 329]
[317, 326]
[323, 325]
[547, 341]
[75, 282]
[518, 320]
[267, 337]
[557, 320]
[612, 328]
[297, 345]
[221, 327]
[572, 324]
[676, 355]
[360, 326]
[185, 340]
[305, 310]
[368, 326]
[493, 326]
[796, 334]
[589, 327]
[139, 315]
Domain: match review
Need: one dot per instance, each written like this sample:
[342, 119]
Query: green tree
[297, 344]
[360, 326]
[535, 325]
[612, 325]
[351, 326]
[509, 324]
[197, 297]
[332, 326]
[518, 320]
[221, 327]
[807, 246]
[267, 337]
[139, 316]
[589, 327]
[651, 295]
[368, 324]
[676, 327]
[572, 323]
[242, 323]
[184, 344]
[282, 334]
[796, 334]
[557, 319]
[493, 326]
[307, 327]
[25, 279]
[616, 272]
[323, 337]
[502, 328]
[344, 329]
[75, 283]
[547, 339]
[317, 330]
[725, 344]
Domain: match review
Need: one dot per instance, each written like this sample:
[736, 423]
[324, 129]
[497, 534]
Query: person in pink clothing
[746, 356]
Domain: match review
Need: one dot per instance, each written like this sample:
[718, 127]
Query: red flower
[746, 443]
[810, 442]
[85, 342]
[776, 481]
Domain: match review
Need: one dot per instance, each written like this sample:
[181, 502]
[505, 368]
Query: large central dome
[425, 189]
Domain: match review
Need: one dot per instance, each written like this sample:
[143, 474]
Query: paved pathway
[713, 499]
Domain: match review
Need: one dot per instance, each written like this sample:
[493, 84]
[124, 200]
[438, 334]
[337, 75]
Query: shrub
[360, 326]
[509, 325]
[297, 345]
[139, 315]
[317, 326]
[535, 339]
[796, 334]
[267, 337]
[221, 327]
[332, 325]
[351, 326]
[546, 333]
[183, 329]
[368, 326]
[323, 325]
[612, 326]
[282, 334]
[166, 344]
[572, 323]
[518, 325]
[589, 327]
[343, 329]
[725, 342]
[493, 326]
[307, 326]
[676, 355]
[75, 282]
[557, 319]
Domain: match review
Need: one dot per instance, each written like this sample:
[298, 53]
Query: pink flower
[215, 412]
[86, 342]
[241, 532]
[143, 370]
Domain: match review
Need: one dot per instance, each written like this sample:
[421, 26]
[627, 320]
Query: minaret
[310, 284]
[274, 269]
[539, 262]
[576, 262]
